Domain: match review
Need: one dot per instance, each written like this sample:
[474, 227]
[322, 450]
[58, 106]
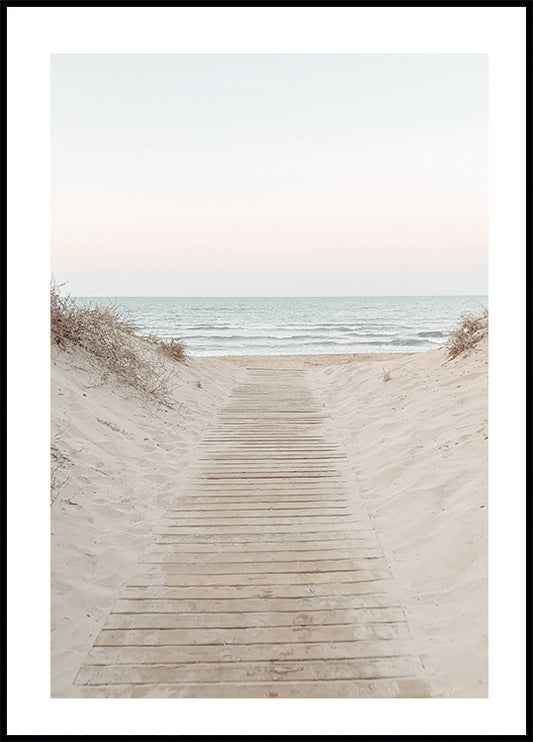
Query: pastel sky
[268, 175]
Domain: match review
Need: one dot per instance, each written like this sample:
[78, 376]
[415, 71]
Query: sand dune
[417, 446]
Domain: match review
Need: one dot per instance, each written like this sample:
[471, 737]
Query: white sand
[418, 452]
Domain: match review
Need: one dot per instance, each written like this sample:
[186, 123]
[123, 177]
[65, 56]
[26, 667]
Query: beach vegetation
[172, 348]
[470, 330]
[109, 339]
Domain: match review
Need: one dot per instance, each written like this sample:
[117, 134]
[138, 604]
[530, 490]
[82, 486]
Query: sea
[218, 326]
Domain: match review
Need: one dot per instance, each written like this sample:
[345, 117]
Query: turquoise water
[284, 325]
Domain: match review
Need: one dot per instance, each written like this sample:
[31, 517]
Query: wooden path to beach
[267, 580]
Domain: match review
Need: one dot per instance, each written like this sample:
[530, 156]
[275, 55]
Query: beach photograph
[266, 371]
[269, 373]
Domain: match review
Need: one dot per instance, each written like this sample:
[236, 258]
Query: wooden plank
[159, 576]
[267, 538]
[167, 563]
[247, 619]
[285, 476]
[267, 499]
[257, 508]
[212, 672]
[240, 530]
[295, 548]
[269, 489]
[373, 602]
[400, 688]
[313, 558]
[252, 467]
[154, 591]
[164, 637]
[397, 688]
[290, 444]
[248, 652]
[205, 504]
[273, 458]
[292, 520]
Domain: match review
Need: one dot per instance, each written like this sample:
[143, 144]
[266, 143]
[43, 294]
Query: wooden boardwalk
[267, 579]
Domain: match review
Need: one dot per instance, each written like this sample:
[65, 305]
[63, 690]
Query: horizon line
[272, 296]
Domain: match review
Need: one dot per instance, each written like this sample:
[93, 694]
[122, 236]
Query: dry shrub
[109, 339]
[172, 348]
[471, 329]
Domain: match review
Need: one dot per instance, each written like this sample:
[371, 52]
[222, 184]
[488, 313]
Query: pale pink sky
[269, 174]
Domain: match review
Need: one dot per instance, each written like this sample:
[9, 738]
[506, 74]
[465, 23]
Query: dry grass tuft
[471, 329]
[94, 327]
[110, 340]
[172, 348]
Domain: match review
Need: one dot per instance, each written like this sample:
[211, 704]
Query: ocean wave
[408, 341]
[223, 326]
[216, 325]
[276, 337]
